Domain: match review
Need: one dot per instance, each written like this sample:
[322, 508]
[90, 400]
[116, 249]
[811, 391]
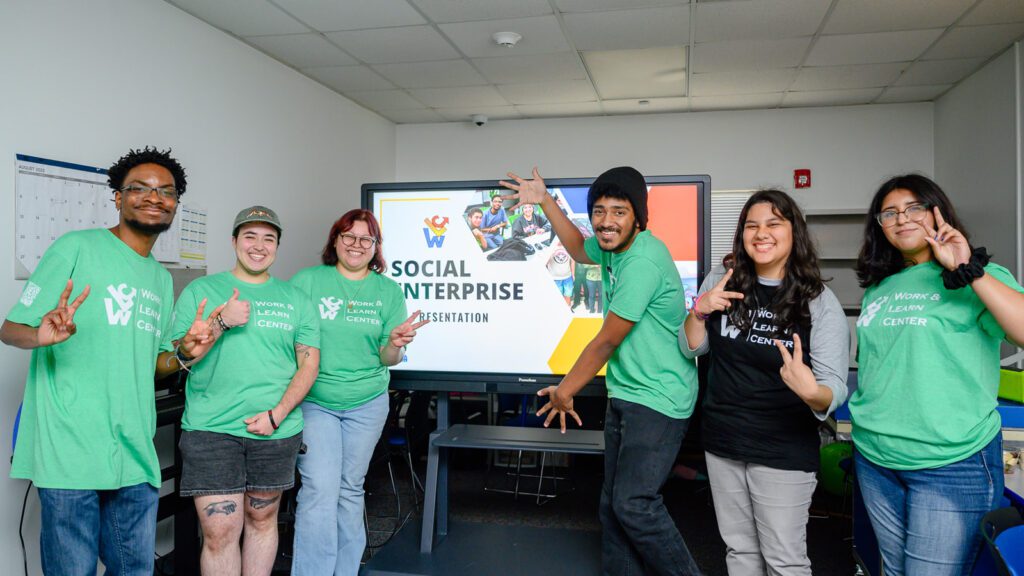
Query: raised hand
[58, 324]
[794, 372]
[949, 247]
[235, 312]
[404, 333]
[718, 298]
[527, 191]
[199, 338]
[557, 406]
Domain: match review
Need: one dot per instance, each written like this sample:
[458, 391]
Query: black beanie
[619, 182]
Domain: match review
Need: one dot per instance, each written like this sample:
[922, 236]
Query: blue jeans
[638, 536]
[116, 526]
[493, 240]
[329, 534]
[926, 521]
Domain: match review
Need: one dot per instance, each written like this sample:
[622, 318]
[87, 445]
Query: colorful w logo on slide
[435, 230]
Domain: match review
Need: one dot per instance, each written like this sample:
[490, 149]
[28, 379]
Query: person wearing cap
[89, 413]
[652, 388]
[240, 430]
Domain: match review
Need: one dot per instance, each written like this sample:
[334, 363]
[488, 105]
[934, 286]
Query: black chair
[1003, 531]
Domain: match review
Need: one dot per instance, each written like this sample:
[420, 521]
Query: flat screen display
[505, 300]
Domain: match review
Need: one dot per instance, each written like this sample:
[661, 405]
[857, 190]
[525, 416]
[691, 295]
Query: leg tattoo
[261, 503]
[225, 507]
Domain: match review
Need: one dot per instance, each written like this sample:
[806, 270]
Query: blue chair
[14, 436]
[1003, 531]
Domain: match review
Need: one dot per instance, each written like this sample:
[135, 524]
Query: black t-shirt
[749, 413]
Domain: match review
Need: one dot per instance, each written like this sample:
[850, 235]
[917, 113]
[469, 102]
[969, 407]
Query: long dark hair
[878, 258]
[344, 224]
[802, 282]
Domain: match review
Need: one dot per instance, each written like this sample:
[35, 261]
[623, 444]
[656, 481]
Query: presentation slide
[501, 292]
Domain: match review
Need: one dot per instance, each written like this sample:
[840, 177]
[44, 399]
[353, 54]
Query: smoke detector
[506, 39]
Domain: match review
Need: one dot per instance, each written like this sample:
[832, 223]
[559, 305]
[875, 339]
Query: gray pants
[762, 516]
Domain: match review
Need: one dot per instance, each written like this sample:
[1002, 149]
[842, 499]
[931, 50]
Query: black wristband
[968, 272]
[180, 354]
[273, 424]
[223, 325]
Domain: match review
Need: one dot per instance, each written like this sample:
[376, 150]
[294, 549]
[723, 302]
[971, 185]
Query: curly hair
[117, 173]
[329, 256]
[878, 258]
[802, 282]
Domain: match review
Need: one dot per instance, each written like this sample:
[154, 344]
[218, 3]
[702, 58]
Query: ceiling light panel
[648, 73]
[389, 45]
[877, 47]
[332, 15]
[628, 29]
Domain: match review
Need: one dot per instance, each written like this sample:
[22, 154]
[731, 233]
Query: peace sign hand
[404, 333]
[527, 191]
[794, 372]
[949, 247]
[199, 338]
[718, 298]
[58, 324]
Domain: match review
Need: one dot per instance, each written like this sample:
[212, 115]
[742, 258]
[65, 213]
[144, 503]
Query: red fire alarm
[802, 178]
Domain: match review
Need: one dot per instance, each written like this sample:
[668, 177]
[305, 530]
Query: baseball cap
[257, 214]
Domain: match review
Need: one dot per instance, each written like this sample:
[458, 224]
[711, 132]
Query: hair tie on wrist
[273, 424]
[967, 272]
[695, 312]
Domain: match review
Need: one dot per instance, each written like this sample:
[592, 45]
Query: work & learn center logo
[435, 230]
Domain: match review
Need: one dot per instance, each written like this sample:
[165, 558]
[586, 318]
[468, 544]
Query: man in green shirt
[89, 413]
[241, 432]
[651, 386]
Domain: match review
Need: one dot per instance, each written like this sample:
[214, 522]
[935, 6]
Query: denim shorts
[215, 463]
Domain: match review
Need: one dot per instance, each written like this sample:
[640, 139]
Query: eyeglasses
[364, 241]
[914, 213]
[166, 192]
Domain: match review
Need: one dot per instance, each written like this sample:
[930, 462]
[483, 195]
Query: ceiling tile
[549, 92]
[748, 54]
[386, 100]
[758, 19]
[871, 48]
[633, 106]
[331, 15]
[541, 34]
[459, 97]
[532, 68]
[465, 113]
[349, 78]
[444, 11]
[436, 74]
[388, 45]
[243, 17]
[561, 109]
[746, 82]
[975, 41]
[858, 16]
[737, 102]
[847, 77]
[830, 97]
[626, 29]
[935, 72]
[647, 73]
[424, 116]
[995, 12]
[302, 50]
[597, 5]
[912, 93]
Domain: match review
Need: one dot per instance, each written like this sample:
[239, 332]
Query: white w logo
[728, 330]
[869, 313]
[124, 298]
[329, 307]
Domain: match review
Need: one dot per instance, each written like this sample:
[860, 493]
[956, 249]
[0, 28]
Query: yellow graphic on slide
[579, 333]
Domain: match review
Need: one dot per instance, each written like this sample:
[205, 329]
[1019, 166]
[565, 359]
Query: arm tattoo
[261, 503]
[303, 350]
[225, 507]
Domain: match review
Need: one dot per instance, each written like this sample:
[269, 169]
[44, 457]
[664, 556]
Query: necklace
[344, 293]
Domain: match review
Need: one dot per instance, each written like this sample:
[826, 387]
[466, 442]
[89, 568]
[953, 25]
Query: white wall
[84, 81]
[976, 155]
[850, 150]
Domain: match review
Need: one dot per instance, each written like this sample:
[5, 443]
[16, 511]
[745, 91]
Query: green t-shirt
[928, 370]
[249, 368]
[642, 285]
[89, 412]
[356, 318]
